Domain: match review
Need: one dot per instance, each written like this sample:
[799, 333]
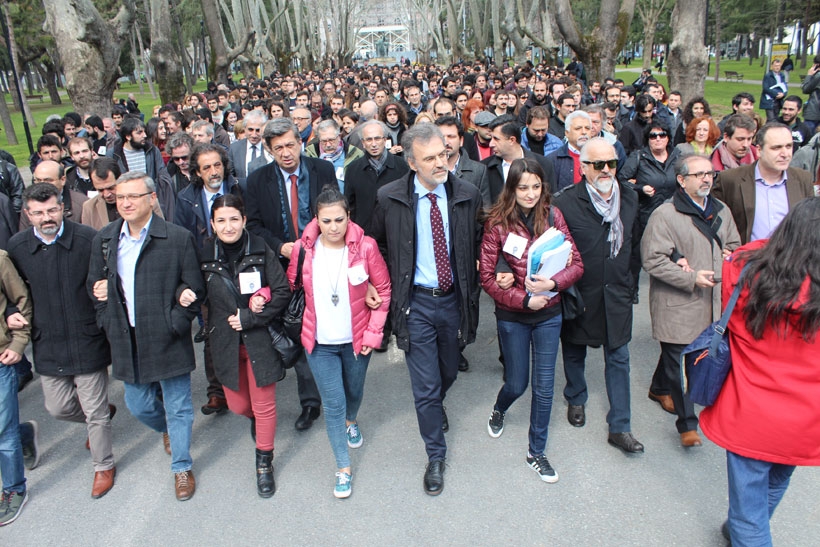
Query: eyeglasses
[54, 211]
[178, 159]
[132, 197]
[334, 140]
[661, 135]
[369, 140]
[301, 118]
[702, 175]
[599, 165]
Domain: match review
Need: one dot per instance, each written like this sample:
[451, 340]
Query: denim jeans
[616, 374]
[339, 375]
[173, 415]
[755, 489]
[11, 449]
[518, 342]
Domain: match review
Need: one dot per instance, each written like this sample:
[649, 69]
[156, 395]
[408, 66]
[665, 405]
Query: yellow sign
[779, 52]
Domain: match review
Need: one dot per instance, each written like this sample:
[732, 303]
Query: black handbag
[292, 318]
[286, 348]
[572, 304]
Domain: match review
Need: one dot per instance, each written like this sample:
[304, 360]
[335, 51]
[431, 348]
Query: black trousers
[669, 369]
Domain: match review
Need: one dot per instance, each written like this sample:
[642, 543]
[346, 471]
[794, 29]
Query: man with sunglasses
[603, 219]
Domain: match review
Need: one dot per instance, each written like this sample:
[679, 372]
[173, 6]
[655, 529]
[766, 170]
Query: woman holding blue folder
[529, 323]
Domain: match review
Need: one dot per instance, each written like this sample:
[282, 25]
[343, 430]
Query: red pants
[254, 402]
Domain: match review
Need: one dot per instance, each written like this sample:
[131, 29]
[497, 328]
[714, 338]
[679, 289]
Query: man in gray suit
[458, 163]
[244, 151]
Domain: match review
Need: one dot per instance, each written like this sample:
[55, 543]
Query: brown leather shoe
[215, 405]
[690, 439]
[103, 482]
[665, 401]
[166, 443]
[185, 485]
[111, 411]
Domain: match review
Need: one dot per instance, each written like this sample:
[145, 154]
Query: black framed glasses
[599, 165]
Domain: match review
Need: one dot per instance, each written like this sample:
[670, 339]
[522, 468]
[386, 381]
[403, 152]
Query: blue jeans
[616, 374]
[11, 448]
[174, 415]
[339, 375]
[755, 489]
[516, 341]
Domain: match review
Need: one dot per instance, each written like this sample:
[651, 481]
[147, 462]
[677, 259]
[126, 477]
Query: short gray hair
[200, 124]
[423, 133]
[576, 114]
[138, 175]
[257, 116]
[328, 124]
[682, 166]
[278, 127]
[370, 123]
[178, 140]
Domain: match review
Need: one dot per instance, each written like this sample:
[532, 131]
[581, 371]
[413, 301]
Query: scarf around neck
[611, 211]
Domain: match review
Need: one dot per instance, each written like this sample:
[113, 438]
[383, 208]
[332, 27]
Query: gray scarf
[378, 163]
[611, 211]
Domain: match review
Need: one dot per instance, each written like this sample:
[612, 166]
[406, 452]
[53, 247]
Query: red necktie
[294, 205]
[445, 277]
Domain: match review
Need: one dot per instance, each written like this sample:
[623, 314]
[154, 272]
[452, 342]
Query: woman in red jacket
[339, 331]
[767, 415]
[525, 319]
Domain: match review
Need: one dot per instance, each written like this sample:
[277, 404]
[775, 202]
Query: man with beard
[459, 164]
[566, 161]
[539, 97]
[193, 212]
[78, 177]
[632, 135]
[95, 130]
[178, 172]
[535, 137]
[736, 147]
[603, 219]
[566, 106]
[801, 134]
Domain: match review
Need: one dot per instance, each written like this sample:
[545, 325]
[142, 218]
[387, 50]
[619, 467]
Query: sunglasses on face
[658, 135]
[599, 165]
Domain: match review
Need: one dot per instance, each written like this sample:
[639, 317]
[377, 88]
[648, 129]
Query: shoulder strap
[551, 218]
[299, 266]
[720, 327]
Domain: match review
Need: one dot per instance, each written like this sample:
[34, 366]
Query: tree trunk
[136, 56]
[687, 53]
[5, 117]
[221, 56]
[648, 45]
[599, 49]
[90, 49]
[182, 51]
[14, 54]
[164, 56]
[717, 42]
[48, 74]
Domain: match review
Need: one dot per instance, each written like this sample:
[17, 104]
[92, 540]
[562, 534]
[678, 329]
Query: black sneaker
[31, 450]
[542, 466]
[495, 425]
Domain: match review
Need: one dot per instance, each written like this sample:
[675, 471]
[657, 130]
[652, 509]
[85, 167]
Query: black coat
[223, 302]
[191, 214]
[362, 183]
[168, 264]
[648, 171]
[393, 227]
[607, 284]
[265, 198]
[65, 336]
[495, 173]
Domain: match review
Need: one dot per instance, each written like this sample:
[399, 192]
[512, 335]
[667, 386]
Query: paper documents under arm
[548, 256]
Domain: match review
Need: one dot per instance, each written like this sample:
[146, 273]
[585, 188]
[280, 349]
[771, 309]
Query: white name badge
[357, 275]
[388, 143]
[515, 245]
[340, 173]
[249, 282]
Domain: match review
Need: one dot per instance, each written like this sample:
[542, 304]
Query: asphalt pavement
[666, 496]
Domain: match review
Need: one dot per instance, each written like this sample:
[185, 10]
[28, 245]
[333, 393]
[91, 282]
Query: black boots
[264, 473]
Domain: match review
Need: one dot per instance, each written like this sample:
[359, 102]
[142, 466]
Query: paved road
[667, 496]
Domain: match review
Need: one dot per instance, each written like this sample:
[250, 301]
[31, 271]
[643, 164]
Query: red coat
[512, 299]
[361, 249]
[769, 407]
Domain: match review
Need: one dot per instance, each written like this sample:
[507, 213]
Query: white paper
[340, 173]
[552, 262]
[249, 282]
[357, 274]
[515, 245]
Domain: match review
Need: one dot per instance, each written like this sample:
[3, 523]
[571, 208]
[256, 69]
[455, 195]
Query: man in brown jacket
[761, 194]
[683, 248]
[102, 208]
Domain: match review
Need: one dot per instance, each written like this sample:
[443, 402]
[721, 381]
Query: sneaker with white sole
[541, 465]
[354, 436]
[31, 447]
[495, 425]
[343, 487]
[11, 506]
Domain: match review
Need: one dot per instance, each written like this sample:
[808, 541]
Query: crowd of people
[388, 198]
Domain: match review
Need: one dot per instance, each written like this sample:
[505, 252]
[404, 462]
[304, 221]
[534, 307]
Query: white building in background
[383, 33]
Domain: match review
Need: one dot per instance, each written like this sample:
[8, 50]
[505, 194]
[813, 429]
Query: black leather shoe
[265, 486]
[434, 478]
[626, 442]
[576, 415]
[385, 342]
[724, 529]
[445, 423]
[24, 380]
[463, 364]
[201, 334]
[306, 418]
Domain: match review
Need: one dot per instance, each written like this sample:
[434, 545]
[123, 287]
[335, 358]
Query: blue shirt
[128, 252]
[53, 241]
[304, 196]
[426, 274]
[771, 205]
[208, 202]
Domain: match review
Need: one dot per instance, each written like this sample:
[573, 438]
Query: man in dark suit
[458, 162]
[280, 202]
[244, 151]
[505, 141]
[141, 257]
[761, 194]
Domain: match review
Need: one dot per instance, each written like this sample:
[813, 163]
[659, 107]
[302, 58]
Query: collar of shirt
[422, 191]
[573, 150]
[286, 175]
[759, 177]
[455, 165]
[126, 233]
[39, 236]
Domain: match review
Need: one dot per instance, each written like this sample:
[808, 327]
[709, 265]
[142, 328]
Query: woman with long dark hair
[528, 322]
[767, 416]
